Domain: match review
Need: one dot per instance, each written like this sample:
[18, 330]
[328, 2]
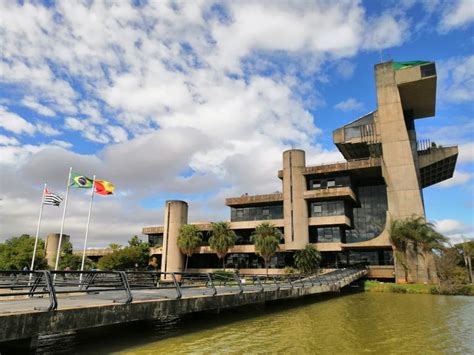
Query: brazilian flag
[81, 181]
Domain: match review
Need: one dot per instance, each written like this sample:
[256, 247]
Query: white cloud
[5, 140]
[385, 31]
[460, 13]
[87, 129]
[10, 121]
[457, 231]
[466, 152]
[458, 178]
[350, 104]
[456, 79]
[47, 130]
[35, 105]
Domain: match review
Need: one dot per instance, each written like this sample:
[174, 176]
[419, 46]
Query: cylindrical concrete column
[51, 247]
[295, 208]
[176, 214]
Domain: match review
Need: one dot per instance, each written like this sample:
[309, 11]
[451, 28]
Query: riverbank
[390, 287]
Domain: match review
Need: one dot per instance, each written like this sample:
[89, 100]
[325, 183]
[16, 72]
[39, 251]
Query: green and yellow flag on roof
[80, 181]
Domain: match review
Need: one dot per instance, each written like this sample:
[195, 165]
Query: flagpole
[88, 223]
[62, 222]
[38, 229]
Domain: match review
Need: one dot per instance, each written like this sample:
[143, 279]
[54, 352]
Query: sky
[197, 100]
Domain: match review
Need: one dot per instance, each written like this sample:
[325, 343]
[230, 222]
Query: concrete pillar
[176, 214]
[400, 163]
[51, 248]
[295, 209]
[399, 158]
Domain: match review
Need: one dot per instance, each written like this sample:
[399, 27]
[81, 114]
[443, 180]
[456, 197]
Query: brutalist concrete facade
[344, 209]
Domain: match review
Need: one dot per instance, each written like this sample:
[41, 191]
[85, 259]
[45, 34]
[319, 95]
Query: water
[349, 324]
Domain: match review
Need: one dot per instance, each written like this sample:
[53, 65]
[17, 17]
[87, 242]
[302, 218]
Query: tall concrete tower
[295, 208]
[176, 214]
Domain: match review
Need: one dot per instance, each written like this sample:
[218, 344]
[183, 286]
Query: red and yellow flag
[103, 187]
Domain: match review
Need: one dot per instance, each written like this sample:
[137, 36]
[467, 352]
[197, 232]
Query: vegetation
[134, 256]
[453, 270]
[69, 261]
[266, 239]
[16, 253]
[417, 234]
[377, 286]
[307, 260]
[189, 239]
[222, 239]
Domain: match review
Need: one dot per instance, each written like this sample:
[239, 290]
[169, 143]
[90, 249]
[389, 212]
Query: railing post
[126, 286]
[260, 283]
[276, 283]
[53, 301]
[176, 285]
[212, 284]
[237, 278]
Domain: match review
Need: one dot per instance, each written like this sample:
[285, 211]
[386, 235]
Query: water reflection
[351, 324]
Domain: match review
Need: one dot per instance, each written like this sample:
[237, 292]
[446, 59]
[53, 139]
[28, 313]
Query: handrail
[38, 283]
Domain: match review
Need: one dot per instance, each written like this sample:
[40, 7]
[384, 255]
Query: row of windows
[240, 261]
[282, 260]
[256, 213]
[327, 208]
[337, 181]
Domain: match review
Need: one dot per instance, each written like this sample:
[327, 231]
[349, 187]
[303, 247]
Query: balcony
[329, 221]
[246, 200]
[417, 87]
[344, 192]
[437, 163]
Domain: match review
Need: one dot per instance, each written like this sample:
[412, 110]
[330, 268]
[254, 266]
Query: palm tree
[307, 260]
[189, 239]
[414, 232]
[266, 239]
[222, 239]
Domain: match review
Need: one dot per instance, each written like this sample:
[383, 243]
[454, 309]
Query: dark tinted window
[428, 70]
[256, 213]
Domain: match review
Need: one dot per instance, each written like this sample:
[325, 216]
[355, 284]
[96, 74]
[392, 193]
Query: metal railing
[21, 285]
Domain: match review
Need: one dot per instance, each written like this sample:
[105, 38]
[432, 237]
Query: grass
[377, 286]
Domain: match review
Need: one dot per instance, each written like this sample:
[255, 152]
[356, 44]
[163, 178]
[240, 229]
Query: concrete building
[344, 209]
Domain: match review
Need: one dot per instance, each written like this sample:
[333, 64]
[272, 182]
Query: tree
[135, 255]
[307, 260]
[467, 250]
[416, 233]
[16, 253]
[115, 246]
[266, 239]
[222, 239]
[452, 275]
[189, 239]
[71, 261]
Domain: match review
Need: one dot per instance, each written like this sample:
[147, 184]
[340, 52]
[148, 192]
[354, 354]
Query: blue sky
[197, 100]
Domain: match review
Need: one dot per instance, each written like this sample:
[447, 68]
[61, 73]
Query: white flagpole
[38, 229]
[62, 222]
[88, 223]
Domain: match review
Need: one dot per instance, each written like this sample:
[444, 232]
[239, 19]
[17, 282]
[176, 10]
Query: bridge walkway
[43, 302]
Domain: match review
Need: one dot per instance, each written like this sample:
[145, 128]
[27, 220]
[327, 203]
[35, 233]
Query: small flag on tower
[51, 198]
